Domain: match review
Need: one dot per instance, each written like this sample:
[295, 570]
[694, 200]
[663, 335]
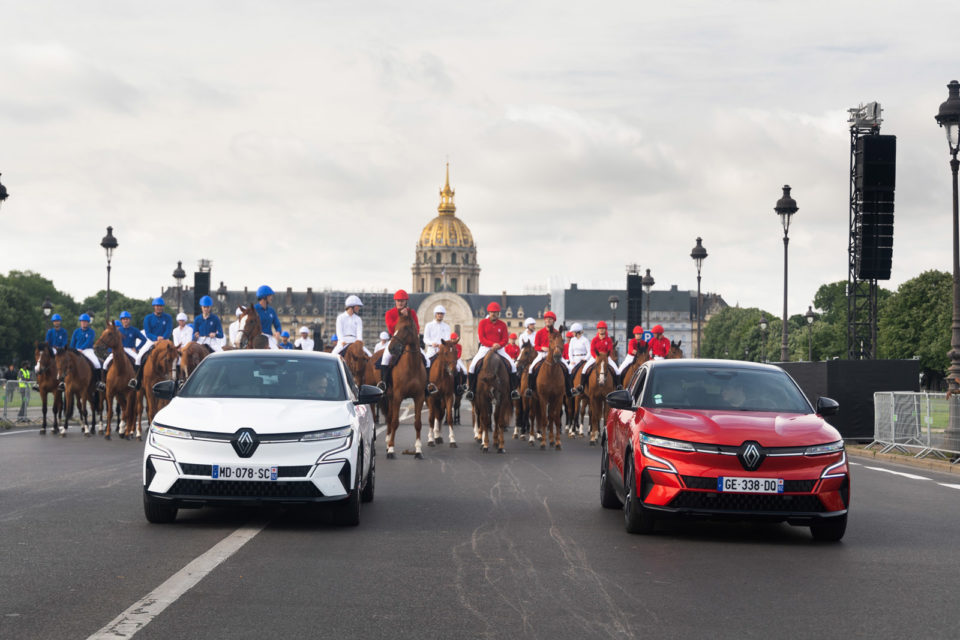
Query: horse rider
[350, 325]
[233, 331]
[566, 349]
[585, 357]
[82, 340]
[492, 335]
[541, 343]
[268, 315]
[434, 333]
[512, 349]
[56, 335]
[132, 339]
[157, 325]
[285, 340]
[207, 328]
[460, 376]
[304, 342]
[659, 345]
[182, 334]
[384, 341]
[529, 333]
[333, 343]
[400, 300]
[635, 345]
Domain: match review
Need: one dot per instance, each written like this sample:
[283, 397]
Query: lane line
[855, 464]
[898, 473]
[952, 486]
[16, 433]
[151, 605]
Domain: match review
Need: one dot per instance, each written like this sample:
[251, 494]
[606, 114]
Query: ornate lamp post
[109, 243]
[179, 274]
[221, 296]
[699, 254]
[949, 119]
[786, 207]
[647, 282]
[614, 303]
[47, 307]
[809, 315]
[3, 194]
[763, 339]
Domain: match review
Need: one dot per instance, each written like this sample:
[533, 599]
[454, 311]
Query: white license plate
[749, 485]
[243, 472]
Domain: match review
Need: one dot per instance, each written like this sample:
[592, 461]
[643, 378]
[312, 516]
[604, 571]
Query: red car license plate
[749, 485]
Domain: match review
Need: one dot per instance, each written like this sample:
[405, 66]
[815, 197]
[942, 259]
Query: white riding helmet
[529, 321]
[576, 327]
[181, 316]
[384, 335]
[238, 312]
[439, 309]
[304, 330]
[353, 301]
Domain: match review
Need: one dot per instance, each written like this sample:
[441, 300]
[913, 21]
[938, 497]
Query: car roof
[706, 362]
[241, 353]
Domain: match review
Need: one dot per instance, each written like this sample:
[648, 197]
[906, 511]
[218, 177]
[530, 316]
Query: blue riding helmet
[333, 338]
[206, 301]
[158, 302]
[263, 291]
[84, 317]
[117, 323]
[125, 314]
[56, 317]
[285, 334]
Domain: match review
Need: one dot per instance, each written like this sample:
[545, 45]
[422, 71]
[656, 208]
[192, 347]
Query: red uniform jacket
[541, 341]
[490, 333]
[459, 350]
[601, 345]
[566, 350]
[659, 347]
[393, 315]
[635, 345]
[512, 350]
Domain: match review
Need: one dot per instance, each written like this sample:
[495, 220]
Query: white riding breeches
[130, 351]
[540, 356]
[388, 358]
[483, 351]
[272, 341]
[462, 368]
[341, 345]
[146, 345]
[92, 357]
[214, 343]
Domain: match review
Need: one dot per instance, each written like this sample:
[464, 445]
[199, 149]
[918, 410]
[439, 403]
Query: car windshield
[266, 376]
[723, 389]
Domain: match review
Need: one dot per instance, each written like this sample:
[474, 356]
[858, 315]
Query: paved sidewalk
[860, 451]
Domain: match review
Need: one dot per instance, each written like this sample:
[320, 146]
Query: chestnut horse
[641, 356]
[356, 360]
[251, 331]
[191, 354]
[526, 408]
[47, 383]
[492, 405]
[600, 382]
[409, 381]
[79, 386]
[551, 392]
[117, 378]
[675, 352]
[442, 374]
[158, 366]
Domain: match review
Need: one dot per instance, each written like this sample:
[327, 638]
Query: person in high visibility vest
[24, 379]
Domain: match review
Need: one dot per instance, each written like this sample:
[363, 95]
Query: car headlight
[163, 430]
[326, 434]
[666, 443]
[822, 449]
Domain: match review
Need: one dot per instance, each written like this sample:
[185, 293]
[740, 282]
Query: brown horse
[551, 392]
[492, 405]
[409, 380]
[251, 331]
[47, 383]
[158, 366]
[675, 352]
[117, 378]
[626, 376]
[600, 382]
[356, 360]
[79, 386]
[526, 408]
[191, 355]
[442, 375]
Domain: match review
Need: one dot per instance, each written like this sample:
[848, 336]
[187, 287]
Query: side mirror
[165, 389]
[369, 394]
[827, 406]
[620, 399]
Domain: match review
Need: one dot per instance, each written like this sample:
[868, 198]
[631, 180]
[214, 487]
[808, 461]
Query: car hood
[264, 416]
[735, 427]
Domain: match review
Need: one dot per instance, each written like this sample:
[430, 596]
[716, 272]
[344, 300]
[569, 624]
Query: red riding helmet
[550, 314]
[638, 329]
[513, 336]
[658, 329]
[569, 334]
[601, 325]
[454, 336]
[401, 295]
[493, 306]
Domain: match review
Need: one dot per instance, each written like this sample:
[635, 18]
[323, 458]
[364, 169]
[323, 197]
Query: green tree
[96, 306]
[916, 320]
[734, 333]
[20, 325]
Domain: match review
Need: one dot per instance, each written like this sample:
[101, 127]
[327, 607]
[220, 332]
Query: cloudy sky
[302, 143]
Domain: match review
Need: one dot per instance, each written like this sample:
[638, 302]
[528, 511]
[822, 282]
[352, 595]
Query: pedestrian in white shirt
[304, 342]
[233, 331]
[350, 325]
[384, 341]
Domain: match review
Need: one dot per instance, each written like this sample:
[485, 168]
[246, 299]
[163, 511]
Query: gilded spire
[446, 197]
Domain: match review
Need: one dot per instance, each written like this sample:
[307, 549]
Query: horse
[251, 331]
[675, 352]
[626, 376]
[356, 360]
[492, 405]
[371, 375]
[526, 408]
[409, 381]
[551, 392]
[47, 383]
[157, 367]
[600, 382]
[191, 355]
[79, 386]
[442, 375]
[117, 379]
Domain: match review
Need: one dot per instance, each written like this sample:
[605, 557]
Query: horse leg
[106, 431]
[393, 419]
[449, 400]
[417, 424]
[43, 410]
[67, 412]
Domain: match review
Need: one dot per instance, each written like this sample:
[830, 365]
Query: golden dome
[446, 230]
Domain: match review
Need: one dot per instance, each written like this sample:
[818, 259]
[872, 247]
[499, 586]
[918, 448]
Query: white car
[253, 427]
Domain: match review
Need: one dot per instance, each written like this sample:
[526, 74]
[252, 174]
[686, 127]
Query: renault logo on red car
[750, 455]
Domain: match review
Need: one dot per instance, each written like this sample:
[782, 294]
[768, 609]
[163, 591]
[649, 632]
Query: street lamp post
[221, 296]
[949, 118]
[109, 243]
[47, 307]
[3, 193]
[647, 282]
[699, 254]
[809, 315]
[614, 303]
[179, 274]
[763, 338]
[786, 207]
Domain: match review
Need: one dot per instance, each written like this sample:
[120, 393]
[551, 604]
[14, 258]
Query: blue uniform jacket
[133, 338]
[289, 345]
[83, 338]
[268, 319]
[57, 338]
[206, 326]
[158, 326]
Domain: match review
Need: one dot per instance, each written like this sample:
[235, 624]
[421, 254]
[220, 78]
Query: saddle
[208, 348]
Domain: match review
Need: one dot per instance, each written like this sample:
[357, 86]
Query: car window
[723, 389]
[351, 383]
[637, 387]
[267, 376]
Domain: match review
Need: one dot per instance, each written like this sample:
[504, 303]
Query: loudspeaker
[634, 301]
[875, 258]
[201, 287]
[876, 164]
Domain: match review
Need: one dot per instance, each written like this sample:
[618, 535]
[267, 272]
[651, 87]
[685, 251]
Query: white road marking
[898, 473]
[151, 605]
[14, 433]
[952, 486]
[855, 464]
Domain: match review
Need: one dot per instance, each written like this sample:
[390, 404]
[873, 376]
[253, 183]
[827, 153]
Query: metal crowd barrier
[914, 423]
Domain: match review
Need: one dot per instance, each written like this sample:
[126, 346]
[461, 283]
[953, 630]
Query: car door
[364, 420]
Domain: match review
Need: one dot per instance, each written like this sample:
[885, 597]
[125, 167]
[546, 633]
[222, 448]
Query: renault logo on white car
[750, 455]
[245, 442]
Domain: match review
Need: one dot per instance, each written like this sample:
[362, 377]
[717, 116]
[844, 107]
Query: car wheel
[608, 497]
[636, 517]
[829, 529]
[158, 512]
[367, 494]
[346, 513]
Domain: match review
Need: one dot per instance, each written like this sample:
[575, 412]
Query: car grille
[282, 472]
[789, 486]
[244, 489]
[746, 502]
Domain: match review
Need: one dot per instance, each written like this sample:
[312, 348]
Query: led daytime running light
[823, 449]
[666, 443]
[326, 434]
[826, 472]
[162, 430]
[666, 463]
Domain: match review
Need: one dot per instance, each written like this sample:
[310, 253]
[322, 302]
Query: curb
[919, 463]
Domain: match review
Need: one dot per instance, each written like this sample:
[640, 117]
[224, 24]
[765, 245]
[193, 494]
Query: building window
[422, 285]
[453, 258]
[453, 285]
[438, 257]
[509, 312]
[520, 313]
[468, 286]
[436, 284]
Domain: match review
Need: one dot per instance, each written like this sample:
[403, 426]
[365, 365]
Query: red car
[723, 439]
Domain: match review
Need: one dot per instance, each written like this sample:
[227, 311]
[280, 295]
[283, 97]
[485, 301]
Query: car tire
[346, 513]
[636, 518]
[367, 494]
[608, 496]
[158, 512]
[829, 529]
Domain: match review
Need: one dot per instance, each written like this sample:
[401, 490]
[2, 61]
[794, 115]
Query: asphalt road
[462, 545]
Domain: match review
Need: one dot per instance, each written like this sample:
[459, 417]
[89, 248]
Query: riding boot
[472, 385]
[531, 384]
[431, 388]
[60, 385]
[567, 382]
[135, 382]
[100, 384]
[514, 385]
[386, 375]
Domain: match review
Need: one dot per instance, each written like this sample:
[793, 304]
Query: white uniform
[349, 330]
[182, 335]
[92, 357]
[305, 344]
[130, 351]
[579, 350]
[526, 338]
[233, 332]
[433, 332]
